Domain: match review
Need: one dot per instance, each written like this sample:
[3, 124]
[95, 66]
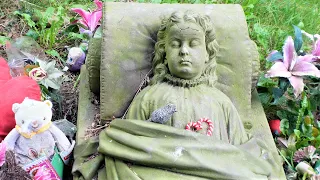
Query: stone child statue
[184, 75]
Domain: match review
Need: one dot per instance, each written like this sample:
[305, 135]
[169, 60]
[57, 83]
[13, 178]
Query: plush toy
[34, 135]
[13, 90]
[76, 58]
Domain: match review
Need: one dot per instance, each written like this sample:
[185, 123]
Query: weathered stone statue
[184, 75]
[183, 88]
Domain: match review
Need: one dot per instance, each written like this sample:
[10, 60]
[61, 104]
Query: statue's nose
[184, 51]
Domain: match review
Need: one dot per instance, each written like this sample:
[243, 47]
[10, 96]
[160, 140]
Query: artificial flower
[306, 153]
[293, 67]
[52, 74]
[3, 149]
[42, 174]
[316, 50]
[304, 167]
[90, 19]
[38, 74]
[98, 4]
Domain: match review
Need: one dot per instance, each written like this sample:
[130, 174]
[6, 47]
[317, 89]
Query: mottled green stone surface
[129, 35]
[93, 64]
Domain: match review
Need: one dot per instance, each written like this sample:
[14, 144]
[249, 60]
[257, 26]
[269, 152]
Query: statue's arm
[236, 132]
[139, 107]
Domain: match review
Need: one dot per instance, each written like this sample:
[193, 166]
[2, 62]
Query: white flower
[53, 75]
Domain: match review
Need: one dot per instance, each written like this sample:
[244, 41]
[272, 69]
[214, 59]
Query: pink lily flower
[3, 149]
[90, 19]
[293, 67]
[316, 50]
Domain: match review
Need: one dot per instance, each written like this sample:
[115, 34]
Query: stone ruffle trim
[185, 82]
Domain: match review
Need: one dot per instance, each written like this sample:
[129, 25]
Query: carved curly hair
[160, 68]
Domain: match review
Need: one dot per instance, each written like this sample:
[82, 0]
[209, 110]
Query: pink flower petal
[288, 52]
[84, 14]
[297, 84]
[3, 149]
[94, 20]
[81, 21]
[278, 70]
[316, 50]
[303, 68]
[306, 58]
[42, 174]
[98, 4]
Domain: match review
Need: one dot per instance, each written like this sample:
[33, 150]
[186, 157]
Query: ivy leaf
[277, 93]
[275, 56]
[266, 82]
[297, 133]
[284, 126]
[265, 98]
[298, 38]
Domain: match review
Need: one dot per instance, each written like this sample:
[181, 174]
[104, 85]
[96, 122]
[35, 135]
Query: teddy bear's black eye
[22, 121]
[44, 118]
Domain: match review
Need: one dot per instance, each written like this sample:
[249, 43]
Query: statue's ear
[15, 107]
[48, 103]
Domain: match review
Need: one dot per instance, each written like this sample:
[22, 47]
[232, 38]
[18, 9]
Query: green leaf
[3, 40]
[52, 84]
[54, 53]
[277, 93]
[265, 98]
[72, 28]
[275, 56]
[156, 1]
[266, 82]
[75, 36]
[98, 32]
[282, 115]
[298, 38]
[297, 133]
[33, 34]
[284, 126]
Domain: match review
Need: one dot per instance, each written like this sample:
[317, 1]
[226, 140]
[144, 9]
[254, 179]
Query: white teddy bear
[34, 134]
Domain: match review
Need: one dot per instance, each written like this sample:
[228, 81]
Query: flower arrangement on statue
[293, 94]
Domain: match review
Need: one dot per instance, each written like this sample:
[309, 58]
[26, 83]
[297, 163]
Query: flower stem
[304, 105]
[77, 81]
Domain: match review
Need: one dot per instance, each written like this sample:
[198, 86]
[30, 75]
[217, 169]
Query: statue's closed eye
[194, 43]
[175, 44]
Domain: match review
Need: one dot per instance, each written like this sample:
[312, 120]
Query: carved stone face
[186, 50]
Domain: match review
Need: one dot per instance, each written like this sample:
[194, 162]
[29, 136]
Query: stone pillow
[129, 35]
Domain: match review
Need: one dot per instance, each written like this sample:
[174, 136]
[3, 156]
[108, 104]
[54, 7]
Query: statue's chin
[186, 75]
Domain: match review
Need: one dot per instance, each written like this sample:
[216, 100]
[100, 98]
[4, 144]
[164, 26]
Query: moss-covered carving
[184, 75]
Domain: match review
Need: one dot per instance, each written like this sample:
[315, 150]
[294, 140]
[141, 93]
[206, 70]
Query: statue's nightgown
[193, 100]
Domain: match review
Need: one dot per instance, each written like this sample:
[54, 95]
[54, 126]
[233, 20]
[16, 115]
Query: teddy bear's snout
[34, 124]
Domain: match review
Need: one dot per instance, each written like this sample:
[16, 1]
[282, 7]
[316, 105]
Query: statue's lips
[185, 62]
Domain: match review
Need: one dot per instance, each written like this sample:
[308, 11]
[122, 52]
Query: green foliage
[3, 40]
[45, 25]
